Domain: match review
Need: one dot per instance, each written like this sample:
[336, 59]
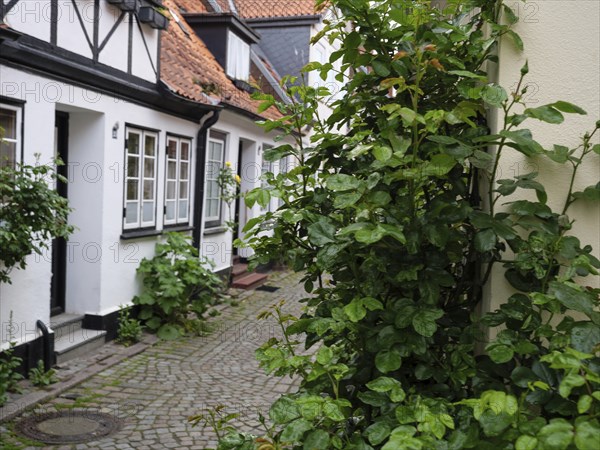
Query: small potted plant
[153, 17]
[126, 5]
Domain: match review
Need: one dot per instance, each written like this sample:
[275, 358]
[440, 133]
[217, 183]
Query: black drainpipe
[200, 172]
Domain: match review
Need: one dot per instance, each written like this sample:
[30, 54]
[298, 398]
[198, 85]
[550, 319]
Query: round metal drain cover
[68, 427]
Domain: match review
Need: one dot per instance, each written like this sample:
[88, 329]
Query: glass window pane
[8, 154]
[150, 146]
[183, 171]
[149, 167]
[172, 170]
[132, 166]
[148, 212]
[8, 122]
[131, 212]
[214, 208]
[172, 149]
[171, 210]
[214, 188]
[183, 189]
[133, 143]
[185, 150]
[171, 187]
[183, 209]
[132, 190]
[148, 190]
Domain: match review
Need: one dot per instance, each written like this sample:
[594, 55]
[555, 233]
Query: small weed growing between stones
[40, 377]
[130, 329]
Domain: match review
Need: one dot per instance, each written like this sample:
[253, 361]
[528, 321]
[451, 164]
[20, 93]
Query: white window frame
[182, 204]
[238, 57]
[213, 168]
[18, 130]
[141, 178]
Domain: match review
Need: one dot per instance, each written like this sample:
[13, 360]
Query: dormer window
[238, 57]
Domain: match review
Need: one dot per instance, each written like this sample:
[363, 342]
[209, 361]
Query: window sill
[214, 230]
[174, 228]
[134, 234]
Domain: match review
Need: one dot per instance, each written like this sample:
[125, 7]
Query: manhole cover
[68, 427]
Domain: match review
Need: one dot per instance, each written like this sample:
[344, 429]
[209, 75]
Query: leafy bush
[32, 214]
[388, 223]
[9, 364]
[40, 377]
[130, 329]
[177, 285]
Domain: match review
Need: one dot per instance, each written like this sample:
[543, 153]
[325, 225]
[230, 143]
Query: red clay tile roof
[190, 69]
[253, 9]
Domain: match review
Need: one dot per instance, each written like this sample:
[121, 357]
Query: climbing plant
[396, 212]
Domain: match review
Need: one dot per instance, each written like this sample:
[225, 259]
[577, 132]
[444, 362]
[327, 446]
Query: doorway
[59, 245]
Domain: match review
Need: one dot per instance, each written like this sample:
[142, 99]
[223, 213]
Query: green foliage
[130, 329]
[229, 184]
[178, 287]
[32, 213]
[383, 213]
[9, 364]
[39, 377]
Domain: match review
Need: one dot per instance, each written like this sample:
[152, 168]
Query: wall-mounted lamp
[115, 129]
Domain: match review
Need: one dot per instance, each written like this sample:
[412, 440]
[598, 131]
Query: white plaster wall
[85, 193]
[562, 45]
[121, 258]
[101, 271]
[115, 52]
[31, 17]
[70, 34]
[28, 297]
[142, 63]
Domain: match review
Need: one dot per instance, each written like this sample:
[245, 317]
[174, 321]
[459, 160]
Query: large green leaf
[572, 296]
[321, 233]
[316, 440]
[294, 431]
[378, 432]
[494, 95]
[284, 410]
[388, 360]
[585, 336]
[424, 321]
[342, 182]
[545, 113]
[168, 332]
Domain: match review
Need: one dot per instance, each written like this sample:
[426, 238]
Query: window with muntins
[140, 179]
[178, 181]
[10, 134]
[238, 57]
[214, 163]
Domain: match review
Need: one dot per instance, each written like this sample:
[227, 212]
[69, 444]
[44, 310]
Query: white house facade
[143, 115]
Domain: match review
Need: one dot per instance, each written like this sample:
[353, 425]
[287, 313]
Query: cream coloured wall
[562, 45]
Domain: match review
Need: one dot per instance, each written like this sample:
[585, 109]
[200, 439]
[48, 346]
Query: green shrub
[32, 213]
[40, 377]
[130, 329]
[386, 220]
[9, 364]
[178, 285]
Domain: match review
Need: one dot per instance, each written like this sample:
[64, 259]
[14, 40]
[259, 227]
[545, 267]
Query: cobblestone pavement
[156, 391]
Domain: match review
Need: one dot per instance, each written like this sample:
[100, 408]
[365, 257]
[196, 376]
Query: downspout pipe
[200, 174]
